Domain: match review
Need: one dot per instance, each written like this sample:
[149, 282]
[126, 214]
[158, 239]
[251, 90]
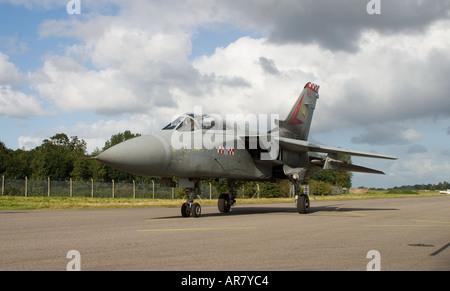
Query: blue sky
[135, 64]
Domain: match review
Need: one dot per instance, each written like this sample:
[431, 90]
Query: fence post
[112, 188]
[306, 190]
[210, 190]
[70, 187]
[26, 186]
[48, 186]
[153, 188]
[3, 185]
[92, 188]
[134, 189]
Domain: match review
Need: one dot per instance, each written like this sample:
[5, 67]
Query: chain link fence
[29, 188]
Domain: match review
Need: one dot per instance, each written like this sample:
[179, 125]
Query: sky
[134, 65]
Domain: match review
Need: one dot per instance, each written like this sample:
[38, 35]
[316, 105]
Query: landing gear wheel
[185, 210]
[223, 203]
[303, 204]
[196, 210]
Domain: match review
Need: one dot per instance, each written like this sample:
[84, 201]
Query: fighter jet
[198, 146]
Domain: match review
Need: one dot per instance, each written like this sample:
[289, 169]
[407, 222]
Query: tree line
[432, 187]
[62, 158]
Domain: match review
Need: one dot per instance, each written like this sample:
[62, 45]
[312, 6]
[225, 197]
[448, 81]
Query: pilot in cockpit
[188, 125]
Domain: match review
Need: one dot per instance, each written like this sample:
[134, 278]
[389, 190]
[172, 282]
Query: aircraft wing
[304, 146]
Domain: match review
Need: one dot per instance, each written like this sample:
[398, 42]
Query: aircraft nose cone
[145, 155]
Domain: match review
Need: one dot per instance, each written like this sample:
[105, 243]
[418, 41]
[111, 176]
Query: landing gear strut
[190, 208]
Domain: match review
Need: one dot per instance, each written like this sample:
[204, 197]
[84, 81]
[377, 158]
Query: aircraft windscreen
[174, 123]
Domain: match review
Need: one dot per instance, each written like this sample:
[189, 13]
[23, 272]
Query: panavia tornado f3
[200, 146]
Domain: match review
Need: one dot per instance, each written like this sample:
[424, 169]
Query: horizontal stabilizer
[336, 165]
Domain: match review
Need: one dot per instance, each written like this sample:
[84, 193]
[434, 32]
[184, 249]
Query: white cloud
[14, 103]
[241, 84]
[410, 135]
[419, 168]
[129, 70]
[134, 50]
[71, 87]
[9, 73]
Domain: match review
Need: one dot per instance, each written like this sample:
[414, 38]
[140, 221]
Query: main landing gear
[227, 200]
[301, 200]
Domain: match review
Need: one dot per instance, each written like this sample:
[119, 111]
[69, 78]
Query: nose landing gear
[190, 208]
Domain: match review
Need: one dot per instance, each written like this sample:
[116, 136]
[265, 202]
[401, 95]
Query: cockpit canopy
[191, 122]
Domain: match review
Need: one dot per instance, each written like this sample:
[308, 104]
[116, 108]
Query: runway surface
[407, 233]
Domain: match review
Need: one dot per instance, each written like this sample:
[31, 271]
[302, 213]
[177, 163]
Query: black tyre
[224, 204]
[185, 210]
[303, 204]
[196, 210]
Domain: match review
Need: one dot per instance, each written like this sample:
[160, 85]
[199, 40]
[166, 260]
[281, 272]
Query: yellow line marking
[165, 219]
[431, 221]
[191, 229]
[354, 213]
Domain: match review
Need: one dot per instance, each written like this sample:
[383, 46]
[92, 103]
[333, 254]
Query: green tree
[319, 187]
[249, 189]
[335, 178]
[20, 164]
[81, 169]
[269, 190]
[56, 157]
[5, 156]
[97, 169]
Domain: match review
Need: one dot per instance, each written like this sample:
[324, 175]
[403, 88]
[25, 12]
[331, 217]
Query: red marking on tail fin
[294, 119]
[313, 87]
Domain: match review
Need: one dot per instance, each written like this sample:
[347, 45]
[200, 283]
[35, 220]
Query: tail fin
[298, 122]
